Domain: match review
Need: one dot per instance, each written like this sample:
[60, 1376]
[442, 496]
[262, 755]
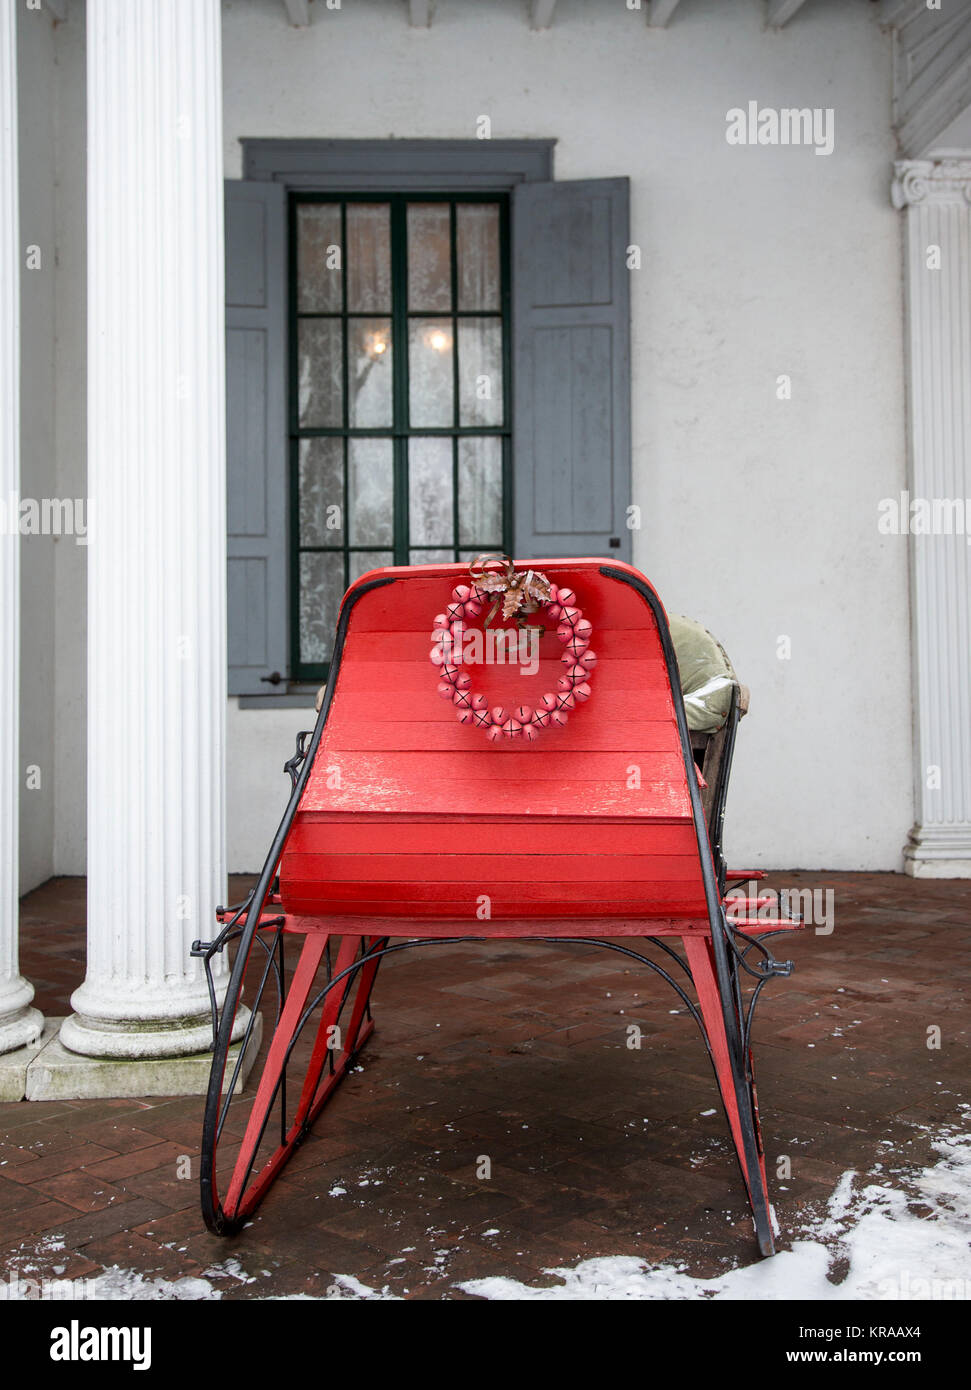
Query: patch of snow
[890, 1252]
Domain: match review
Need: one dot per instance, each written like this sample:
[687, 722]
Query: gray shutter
[256, 434]
[571, 368]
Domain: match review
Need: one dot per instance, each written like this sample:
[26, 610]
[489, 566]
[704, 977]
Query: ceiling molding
[931, 74]
[420, 14]
[541, 13]
[781, 11]
[897, 12]
[659, 12]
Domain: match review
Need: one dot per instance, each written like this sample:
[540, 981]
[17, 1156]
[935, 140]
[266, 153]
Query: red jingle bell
[581, 692]
[523, 713]
[530, 733]
[465, 716]
[587, 659]
[494, 732]
[512, 728]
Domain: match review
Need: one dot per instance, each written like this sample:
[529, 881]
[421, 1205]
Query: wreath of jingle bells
[518, 595]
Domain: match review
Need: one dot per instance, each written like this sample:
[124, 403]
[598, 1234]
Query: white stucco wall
[759, 514]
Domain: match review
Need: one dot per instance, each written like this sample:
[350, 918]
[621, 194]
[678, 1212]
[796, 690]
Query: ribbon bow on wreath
[518, 594]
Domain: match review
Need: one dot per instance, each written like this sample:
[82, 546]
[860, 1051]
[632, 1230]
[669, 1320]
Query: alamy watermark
[17, 1288]
[924, 516]
[493, 646]
[813, 907]
[787, 125]
[45, 516]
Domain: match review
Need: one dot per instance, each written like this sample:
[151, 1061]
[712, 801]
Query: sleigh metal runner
[432, 834]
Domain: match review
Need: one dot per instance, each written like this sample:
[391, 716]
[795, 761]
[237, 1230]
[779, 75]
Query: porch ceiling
[931, 51]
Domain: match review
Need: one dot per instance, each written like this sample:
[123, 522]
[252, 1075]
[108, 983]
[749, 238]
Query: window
[369, 370]
[399, 419]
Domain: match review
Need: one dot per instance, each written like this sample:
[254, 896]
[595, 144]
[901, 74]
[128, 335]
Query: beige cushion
[707, 675]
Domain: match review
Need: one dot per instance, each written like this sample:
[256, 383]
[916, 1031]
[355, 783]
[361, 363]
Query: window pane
[371, 491]
[322, 491]
[430, 491]
[477, 255]
[429, 257]
[369, 373]
[368, 258]
[320, 372]
[321, 591]
[480, 492]
[360, 561]
[430, 557]
[430, 385]
[480, 371]
[318, 237]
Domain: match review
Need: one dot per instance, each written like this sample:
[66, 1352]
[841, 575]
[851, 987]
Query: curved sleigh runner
[398, 830]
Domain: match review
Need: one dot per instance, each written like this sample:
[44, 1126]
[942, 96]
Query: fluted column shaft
[936, 196]
[19, 1023]
[156, 647]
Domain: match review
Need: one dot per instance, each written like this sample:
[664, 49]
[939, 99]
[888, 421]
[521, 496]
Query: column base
[133, 1040]
[20, 1029]
[938, 851]
[20, 1025]
[47, 1071]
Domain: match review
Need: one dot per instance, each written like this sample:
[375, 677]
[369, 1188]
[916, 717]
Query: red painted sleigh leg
[244, 1195]
[737, 1093]
[300, 986]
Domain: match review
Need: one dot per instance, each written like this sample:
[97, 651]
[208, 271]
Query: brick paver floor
[518, 1053]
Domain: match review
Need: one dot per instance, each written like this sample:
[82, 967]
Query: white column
[935, 195]
[156, 648]
[19, 1023]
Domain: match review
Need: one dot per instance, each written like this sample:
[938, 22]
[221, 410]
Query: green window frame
[401, 431]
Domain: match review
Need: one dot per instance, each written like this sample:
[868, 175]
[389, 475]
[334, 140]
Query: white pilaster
[156, 648]
[19, 1023]
[936, 196]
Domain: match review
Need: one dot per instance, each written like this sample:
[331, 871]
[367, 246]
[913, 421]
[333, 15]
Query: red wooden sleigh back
[408, 813]
[405, 823]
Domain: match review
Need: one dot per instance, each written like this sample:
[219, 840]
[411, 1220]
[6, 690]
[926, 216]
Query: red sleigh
[406, 828]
